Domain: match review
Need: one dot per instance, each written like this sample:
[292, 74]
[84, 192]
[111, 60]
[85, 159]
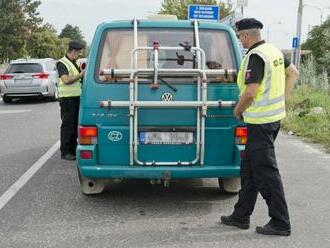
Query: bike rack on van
[201, 104]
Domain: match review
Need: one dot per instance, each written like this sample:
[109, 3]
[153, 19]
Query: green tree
[48, 27]
[319, 43]
[180, 7]
[72, 33]
[32, 19]
[18, 19]
[45, 43]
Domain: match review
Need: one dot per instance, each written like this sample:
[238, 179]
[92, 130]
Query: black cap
[76, 45]
[248, 23]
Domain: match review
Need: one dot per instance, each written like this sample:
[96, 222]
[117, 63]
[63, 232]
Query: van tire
[90, 186]
[230, 185]
[7, 99]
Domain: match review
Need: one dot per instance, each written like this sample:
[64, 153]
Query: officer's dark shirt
[61, 68]
[256, 66]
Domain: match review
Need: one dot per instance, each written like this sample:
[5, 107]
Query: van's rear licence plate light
[166, 138]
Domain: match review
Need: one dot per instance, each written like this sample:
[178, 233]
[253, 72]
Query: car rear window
[25, 68]
[117, 45]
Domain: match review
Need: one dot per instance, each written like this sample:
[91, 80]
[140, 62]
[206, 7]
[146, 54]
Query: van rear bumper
[90, 168]
[142, 172]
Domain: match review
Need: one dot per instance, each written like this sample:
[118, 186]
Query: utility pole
[296, 51]
[242, 4]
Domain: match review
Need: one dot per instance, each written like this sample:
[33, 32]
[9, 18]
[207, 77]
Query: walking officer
[265, 79]
[69, 89]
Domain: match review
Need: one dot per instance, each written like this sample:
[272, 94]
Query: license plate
[166, 138]
[23, 81]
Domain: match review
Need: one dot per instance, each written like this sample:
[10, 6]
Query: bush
[312, 90]
[310, 76]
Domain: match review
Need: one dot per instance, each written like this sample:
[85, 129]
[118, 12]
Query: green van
[157, 103]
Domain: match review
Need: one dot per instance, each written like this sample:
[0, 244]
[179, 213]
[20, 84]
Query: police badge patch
[248, 74]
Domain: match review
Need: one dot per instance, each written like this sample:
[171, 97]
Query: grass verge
[300, 117]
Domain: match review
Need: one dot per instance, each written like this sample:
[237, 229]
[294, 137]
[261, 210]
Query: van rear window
[24, 68]
[117, 46]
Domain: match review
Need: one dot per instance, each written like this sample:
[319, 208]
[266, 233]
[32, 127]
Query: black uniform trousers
[69, 127]
[259, 173]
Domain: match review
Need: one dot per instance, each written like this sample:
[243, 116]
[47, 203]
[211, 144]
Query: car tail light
[87, 135]
[240, 135]
[41, 76]
[86, 154]
[5, 77]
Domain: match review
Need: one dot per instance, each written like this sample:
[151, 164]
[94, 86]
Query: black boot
[269, 230]
[69, 157]
[232, 221]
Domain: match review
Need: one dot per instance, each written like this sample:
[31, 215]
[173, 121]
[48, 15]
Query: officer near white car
[69, 90]
[265, 80]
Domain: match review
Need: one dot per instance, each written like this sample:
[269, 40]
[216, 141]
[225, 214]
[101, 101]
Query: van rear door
[165, 135]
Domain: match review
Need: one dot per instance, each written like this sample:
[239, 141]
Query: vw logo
[167, 97]
[115, 136]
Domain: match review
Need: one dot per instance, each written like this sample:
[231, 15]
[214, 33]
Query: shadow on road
[31, 101]
[187, 189]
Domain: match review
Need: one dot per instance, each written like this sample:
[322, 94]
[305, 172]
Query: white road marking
[13, 189]
[14, 111]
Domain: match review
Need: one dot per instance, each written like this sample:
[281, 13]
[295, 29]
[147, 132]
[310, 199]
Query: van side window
[218, 49]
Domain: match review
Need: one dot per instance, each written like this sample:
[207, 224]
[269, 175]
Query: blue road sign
[204, 12]
[295, 42]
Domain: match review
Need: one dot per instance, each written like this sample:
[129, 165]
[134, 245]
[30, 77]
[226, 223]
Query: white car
[29, 78]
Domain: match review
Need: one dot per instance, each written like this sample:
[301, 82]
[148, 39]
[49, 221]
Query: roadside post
[295, 58]
[241, 4]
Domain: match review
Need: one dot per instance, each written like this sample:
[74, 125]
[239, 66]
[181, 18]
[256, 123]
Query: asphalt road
[50, 211]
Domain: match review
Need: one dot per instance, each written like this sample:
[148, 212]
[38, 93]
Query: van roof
[144, 23]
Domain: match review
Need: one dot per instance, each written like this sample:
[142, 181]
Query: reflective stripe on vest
[269, 104]
[69, 90]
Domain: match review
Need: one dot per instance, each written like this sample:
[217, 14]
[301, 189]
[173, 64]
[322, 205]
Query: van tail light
[87, 135]
[240, 135]
[41, 76]
[86, 154]
[5, 77]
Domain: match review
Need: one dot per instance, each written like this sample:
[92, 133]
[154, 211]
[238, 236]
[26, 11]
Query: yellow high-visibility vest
[269, 104]
[69, 90]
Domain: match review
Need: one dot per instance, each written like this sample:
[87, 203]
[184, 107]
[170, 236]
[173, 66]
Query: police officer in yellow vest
[69, 89]
[265, 79]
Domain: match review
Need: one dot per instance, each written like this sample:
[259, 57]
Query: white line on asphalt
[14, 111]
[11, 192]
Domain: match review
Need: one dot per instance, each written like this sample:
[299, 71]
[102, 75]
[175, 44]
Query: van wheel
[7, 99]
[90, 186]
[230, 185]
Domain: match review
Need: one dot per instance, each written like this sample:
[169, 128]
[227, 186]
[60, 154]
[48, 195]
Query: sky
[279, 16]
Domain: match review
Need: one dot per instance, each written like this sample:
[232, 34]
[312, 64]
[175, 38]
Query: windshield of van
[117, 46]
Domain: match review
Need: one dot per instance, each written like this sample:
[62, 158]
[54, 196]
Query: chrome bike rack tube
[157, 104]
[132, 95]
[149, 72]
[200, 121]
